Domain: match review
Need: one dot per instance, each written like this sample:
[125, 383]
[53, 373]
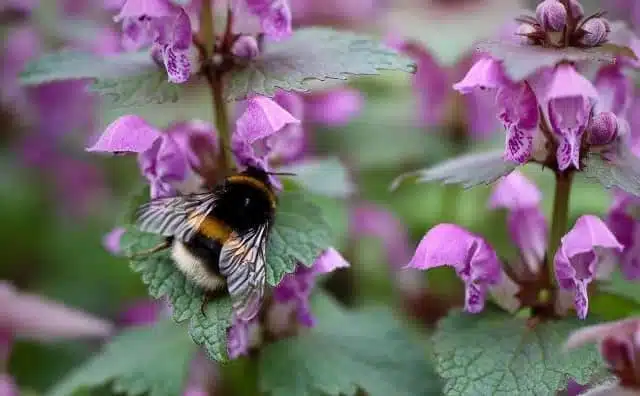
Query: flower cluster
[170, 31]
[522, 282]
[556, 115]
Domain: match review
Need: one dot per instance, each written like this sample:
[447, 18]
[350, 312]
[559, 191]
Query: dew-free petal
[275, 16]
[111, 241]
[475, 262]
[335, 107]
[614, 90]
[145, 9]
[130, 133]
[515, 191]
[519, 115]
[486, 73]
[34, 317]
[578, 256]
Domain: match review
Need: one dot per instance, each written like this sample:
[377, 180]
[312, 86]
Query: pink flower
[471, 256]
[579, 254]
[169, 160]
[568, 100]
[275, 16]
[519, 115]
[295, 289]
[527, 225]
[619, 345]
[26, 315]
[626, 229]
[111, 241]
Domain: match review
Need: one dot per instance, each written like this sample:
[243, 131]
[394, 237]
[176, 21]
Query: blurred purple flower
[111, 241]
[527, 225]
[275, 16]
[241, 336]
[26, 315]
[142, 312]
[619, 345]
[580, 251]
[626, 229]
[432, 83]
[368, 219]
[21, 45]
[295, 288]
[8, 386]
[334, 12]
[473, 259]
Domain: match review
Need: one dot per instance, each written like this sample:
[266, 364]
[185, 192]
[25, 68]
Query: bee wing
[178, 216]
[242, 263]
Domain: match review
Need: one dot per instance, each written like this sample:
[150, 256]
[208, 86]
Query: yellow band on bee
[211, 228]
[252, 181]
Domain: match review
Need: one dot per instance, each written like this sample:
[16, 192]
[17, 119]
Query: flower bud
[602, 129]
[524, 32]
[577, 12]
[595, 32]
[552, 15]
[245, 47]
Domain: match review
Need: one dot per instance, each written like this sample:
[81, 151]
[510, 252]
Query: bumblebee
[218, 238]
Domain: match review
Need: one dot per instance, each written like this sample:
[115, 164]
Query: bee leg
[162, 246]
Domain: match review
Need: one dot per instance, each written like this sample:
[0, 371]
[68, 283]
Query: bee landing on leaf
[219, 237]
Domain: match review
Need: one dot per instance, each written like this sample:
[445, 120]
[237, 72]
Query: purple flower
[275, 16]
[568, 100]
[619, 345]
[295, 288]
[527, 225]
[7, 386]
[111, 241]
[252, 142]
[475, 262]
[241, 336]
[332, 107]
[26, 315]
[371, 220]
[334, 12]
[486, 73]
[165, 26]
[169, 160]
[626, 229]
[580, 251]
[142, 312]
[519, 115]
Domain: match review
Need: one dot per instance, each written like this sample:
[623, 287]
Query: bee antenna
[281, 174]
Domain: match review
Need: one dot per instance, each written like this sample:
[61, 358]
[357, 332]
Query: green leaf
[299, 234]
[496, 354]
[75, 65]
[149, 87]
[345, 352]
[521, 61]
[469, 170]
[312, 54]
[327, 177]
[152, 359]
[621, 170]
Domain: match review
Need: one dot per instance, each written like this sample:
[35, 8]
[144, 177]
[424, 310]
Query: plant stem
[207, 31]
[559, 217]
[225, 161]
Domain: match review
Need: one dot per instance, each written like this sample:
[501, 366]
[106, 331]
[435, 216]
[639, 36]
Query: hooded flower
[164, 26]
[473, 259]
[619, 345]
[580, 251]
[169, 160]
[295, 289]
[275, 16]
[626, 228]
[527, 225]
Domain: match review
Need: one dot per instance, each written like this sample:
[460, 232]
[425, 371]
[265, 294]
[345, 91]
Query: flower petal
[614, 90]
[145, 8]
[515, 191]
[329, 261]
[34, 317]
[111, 241]
[275, 16]
[486, 73]
[8, 386]
[335, 107]
[129, 134]
[475, 262]
[576, 260]
[529, 231]
[569, 117]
